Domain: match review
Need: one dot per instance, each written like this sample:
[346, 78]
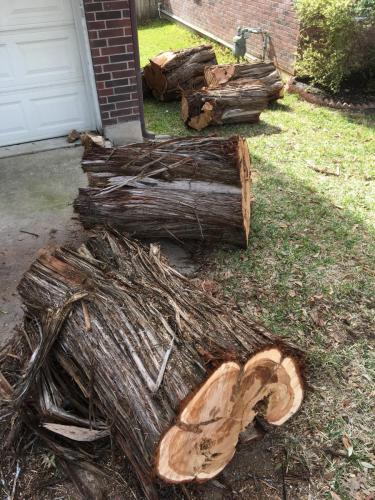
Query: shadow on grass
[365, 119]
[165, 119]
[279, 106]
[303, 246]
[244, 129]
[301, 243]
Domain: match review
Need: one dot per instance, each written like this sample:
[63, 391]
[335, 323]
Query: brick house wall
[114, 56]
[221, 17]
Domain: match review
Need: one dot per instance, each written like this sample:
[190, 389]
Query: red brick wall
[221, 17]
[112, 51]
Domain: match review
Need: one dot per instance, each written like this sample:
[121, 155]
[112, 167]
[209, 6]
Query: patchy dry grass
[309, 272]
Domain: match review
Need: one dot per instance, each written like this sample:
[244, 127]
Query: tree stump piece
[169, 73]
[266, 73]
[173, 374]
[187, 188]
[235, 102]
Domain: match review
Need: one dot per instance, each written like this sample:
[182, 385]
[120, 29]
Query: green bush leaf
[336, 40]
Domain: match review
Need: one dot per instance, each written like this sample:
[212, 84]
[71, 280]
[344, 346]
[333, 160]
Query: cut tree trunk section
[169, 73]
[174, 374]
[266, 73]
[235, 102]
[186, 188]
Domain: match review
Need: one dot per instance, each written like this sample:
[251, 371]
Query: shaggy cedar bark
[133, 347]
[186, 188]
[234, 102]
[169, 73]
[266, 73]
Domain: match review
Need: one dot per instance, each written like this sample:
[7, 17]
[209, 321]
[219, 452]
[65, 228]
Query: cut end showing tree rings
[204, 438]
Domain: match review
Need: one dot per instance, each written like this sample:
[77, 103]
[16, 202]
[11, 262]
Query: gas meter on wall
[239, 48]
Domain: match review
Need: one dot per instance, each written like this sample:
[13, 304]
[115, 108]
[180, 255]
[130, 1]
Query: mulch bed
[314, 95]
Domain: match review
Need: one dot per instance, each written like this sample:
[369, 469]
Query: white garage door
[43, 92]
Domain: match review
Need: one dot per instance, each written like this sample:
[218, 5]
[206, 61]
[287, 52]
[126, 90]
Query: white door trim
[87, 66]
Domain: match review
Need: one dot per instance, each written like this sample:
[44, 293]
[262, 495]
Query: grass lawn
[309, 272]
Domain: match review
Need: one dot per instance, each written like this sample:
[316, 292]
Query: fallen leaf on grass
[367, 465]
[228, 274]
[318, 297]
[329, 476]
[335, 496]
[355, 485]
[210, 287]
[317, 319]
[348, 444]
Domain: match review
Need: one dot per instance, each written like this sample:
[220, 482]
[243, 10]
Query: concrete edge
[34, 147]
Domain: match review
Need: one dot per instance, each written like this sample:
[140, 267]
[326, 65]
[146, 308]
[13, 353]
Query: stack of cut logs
[212, 94]
[117, 345]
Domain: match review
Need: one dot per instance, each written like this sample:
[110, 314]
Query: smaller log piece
[235, 102]
[266, 73]
[194, 188]
[169, 73]
[145, 88]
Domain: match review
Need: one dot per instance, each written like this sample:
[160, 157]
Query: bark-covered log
[235, 102]
[186, 188]
[169, 73]
[124, 343]
[146, 91]
[265, 73]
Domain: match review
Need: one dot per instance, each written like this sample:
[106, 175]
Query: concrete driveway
[36, 195]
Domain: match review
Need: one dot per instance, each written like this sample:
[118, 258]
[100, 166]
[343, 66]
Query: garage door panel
[59, 110]
[6, 71]
[39, 57]
[49, 56]
[39, 114]
[16, 13]
[14, 122]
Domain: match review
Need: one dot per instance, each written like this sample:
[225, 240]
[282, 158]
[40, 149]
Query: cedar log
[234, 102]
[186, 188]
[173, 374]
[169, 73]
[266, 73]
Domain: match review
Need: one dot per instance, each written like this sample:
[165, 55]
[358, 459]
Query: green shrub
[366, 9]
[337, 40]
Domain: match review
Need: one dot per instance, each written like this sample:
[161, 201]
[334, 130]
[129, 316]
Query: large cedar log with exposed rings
[190, 188]
[266, 73]
[169, 73]
[140, 352]
[234, 102]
